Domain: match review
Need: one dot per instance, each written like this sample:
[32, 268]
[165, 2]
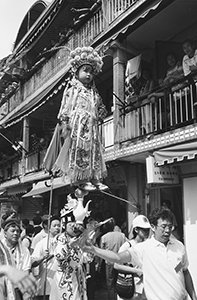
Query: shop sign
[160, 174]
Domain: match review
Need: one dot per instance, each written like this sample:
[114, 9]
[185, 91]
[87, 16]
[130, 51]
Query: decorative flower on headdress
[83, 56]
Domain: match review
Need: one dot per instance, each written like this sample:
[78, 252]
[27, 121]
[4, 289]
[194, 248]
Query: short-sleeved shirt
[38, 253]
[188, 62]
[39, 236]
[112, 241]
[162, 268]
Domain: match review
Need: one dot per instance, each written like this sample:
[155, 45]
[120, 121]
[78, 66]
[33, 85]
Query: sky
[12, 13]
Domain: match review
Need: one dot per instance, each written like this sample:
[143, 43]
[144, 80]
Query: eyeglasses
[164, 227]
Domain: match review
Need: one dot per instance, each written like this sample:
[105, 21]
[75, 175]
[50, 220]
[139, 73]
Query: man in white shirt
[43, 233]
[42, 257]
[162, 259]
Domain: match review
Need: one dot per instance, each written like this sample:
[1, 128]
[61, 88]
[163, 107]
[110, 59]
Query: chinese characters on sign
[160, 174]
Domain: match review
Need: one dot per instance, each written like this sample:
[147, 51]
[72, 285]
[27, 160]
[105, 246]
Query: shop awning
[176, 153]
[45, 186]
[137, 20]
[27, 107]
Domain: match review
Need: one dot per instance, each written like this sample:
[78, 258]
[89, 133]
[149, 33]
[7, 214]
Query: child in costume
[75, 149]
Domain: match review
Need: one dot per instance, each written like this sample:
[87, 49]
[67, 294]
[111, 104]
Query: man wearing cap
[42, 256]
[163, 260]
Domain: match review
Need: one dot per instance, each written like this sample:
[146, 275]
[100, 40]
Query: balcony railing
[162, 112]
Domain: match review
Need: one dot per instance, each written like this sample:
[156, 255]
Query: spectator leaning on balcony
[75, 149]
[190, 58]
[174, 72]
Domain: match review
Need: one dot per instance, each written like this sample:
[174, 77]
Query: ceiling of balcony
[174, 23]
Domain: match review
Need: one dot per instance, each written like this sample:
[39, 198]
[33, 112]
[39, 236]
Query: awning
[45, 186]
[23, 110]
[142, 17]
[176, 153]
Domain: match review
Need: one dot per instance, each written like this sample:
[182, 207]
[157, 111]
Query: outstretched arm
[108, 255]
[23, 280]
[189, 284]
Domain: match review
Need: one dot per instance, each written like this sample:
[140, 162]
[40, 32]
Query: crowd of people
[54, 265]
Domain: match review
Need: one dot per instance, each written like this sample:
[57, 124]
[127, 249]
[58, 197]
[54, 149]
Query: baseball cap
[141, 221]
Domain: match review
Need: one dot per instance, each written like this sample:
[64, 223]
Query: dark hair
[53, 218]
[168, 203]
[172, 54]
[134, 233]
[37, 220]
[160, 213]
[29, 230]
[25, 222]
[109, 226]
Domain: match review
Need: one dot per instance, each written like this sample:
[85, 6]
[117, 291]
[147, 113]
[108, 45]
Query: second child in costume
[75, 149]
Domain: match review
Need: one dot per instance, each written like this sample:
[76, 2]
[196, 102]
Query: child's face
[85, 74]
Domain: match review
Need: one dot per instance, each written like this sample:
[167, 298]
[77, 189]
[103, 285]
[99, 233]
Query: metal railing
[163, 111]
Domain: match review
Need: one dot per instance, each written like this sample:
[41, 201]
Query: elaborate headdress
[83, 56]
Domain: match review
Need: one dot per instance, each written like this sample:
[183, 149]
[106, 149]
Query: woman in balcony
[75, 149]
[174, 72]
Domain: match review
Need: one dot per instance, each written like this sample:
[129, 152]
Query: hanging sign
[160, 174]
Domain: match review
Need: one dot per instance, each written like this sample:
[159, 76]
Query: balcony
[101, 22]
[160, 114]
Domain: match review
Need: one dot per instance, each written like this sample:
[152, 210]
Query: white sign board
[160, 174]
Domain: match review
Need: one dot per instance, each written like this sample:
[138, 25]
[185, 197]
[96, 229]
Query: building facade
[150, 141]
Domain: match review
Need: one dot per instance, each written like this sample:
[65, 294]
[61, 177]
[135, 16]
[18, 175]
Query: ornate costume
[75, 149]
[69, 281]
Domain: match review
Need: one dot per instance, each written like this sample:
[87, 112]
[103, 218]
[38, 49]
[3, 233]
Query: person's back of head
[25, 222]
[109, 226]
[29, 230]
[37, 220]
[166, 203]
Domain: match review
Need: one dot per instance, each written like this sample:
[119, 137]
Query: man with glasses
[163, 260]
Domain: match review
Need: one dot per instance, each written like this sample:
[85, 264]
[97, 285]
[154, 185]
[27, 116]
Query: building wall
[190, 222]
[135, 190]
